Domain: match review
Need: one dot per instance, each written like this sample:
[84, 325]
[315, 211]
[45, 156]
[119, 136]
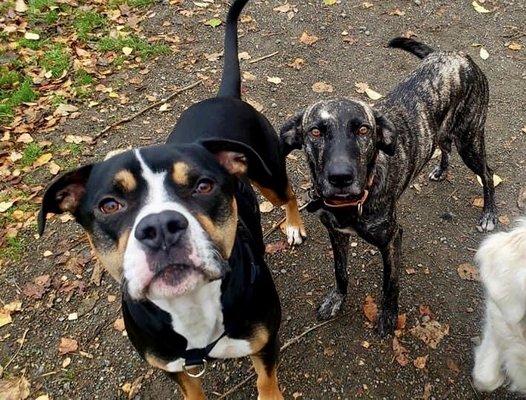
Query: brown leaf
[266, 207]
[370, 309]
[307, 39]
[118, 325]
[275, 247]
[298, 63]
[67, 345]
[401, 322]
[425, 310]
[400, 352]
[322, 87]
[420, 362]
[468, 272]
[430, 332]
[452, 365]
[427, 391]
[515, 46]
[14, 389]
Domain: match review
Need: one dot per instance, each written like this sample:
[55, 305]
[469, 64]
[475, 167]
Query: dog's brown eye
[109, 206]
[315, 133]
[204, 186]
[364, 130]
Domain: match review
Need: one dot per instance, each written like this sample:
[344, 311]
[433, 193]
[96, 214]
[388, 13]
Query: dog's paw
[295, 234]
[487, 380]
[387, 322]
[331, 305]
[438, 174]
[487, 222]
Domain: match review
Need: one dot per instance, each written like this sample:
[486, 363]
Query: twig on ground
[287, 344]
[255, 60]
[18, 351]
[153, 105]
[278, 224]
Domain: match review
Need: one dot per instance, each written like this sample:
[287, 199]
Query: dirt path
[344, 359]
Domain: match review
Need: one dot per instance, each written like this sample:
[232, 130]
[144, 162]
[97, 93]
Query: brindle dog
[362, 158]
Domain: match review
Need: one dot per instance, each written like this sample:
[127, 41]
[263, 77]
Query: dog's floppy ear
[387, 133]
[64, 194]
[291, 134]
[237, 157]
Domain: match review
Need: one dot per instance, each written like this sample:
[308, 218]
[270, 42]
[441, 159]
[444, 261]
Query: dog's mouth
[346, 200]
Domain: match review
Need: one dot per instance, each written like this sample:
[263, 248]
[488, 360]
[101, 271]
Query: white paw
[487, 222]
[487, 382]
[293, 235]
[437, 174]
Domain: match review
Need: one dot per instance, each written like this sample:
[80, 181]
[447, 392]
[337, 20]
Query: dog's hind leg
[471, 148]
[333, 301]
[439, 172]
[293, 226]
[487, 373]
[265, 363]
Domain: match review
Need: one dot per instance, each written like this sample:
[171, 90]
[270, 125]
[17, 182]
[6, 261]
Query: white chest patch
[198, 317]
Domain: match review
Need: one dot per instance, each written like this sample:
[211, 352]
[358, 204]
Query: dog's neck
[198, 315]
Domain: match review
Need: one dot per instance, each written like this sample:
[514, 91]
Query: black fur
[412, 46]
[443, 101]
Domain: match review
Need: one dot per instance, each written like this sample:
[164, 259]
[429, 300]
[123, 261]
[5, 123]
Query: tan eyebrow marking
[180, 173]
[126, 180]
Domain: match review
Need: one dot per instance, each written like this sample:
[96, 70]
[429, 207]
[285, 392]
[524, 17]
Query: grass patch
[30, 154]
[9, 99]
[83, 78]
[56, 60]
[13, 249]
[32, 44]
[86, 22]
[140, 46]
[42, 11]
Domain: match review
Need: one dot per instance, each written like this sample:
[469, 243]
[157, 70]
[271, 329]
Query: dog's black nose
[340, 175]
[161, 231]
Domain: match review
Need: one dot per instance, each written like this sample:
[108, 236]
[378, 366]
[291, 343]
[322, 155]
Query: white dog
[502, 261]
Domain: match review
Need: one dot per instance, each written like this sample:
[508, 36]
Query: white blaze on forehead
[324, 114]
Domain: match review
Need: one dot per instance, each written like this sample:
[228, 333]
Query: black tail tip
[420, 50]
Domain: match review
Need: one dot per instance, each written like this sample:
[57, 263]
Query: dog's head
[163, 219]
[341, 139]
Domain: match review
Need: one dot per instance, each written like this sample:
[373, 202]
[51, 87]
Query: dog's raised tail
[231, 79]
[420, 50]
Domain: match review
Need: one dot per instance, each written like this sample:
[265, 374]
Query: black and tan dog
[179, 226]
[362, 158]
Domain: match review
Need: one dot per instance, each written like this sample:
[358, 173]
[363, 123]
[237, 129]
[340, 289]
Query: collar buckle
[188, 369]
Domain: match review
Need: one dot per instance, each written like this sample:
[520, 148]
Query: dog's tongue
[336, 202]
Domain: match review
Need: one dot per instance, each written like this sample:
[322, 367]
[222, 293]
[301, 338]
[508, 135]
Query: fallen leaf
[430, 332]
[452, 365]
[266, 207]
[77, 139]
[67, 345]
[118, 325]
[31, 36]
[468, 272]
[497, 180]
[504, 220]
[397, 12]
[307, 39]
[298, 63]
[164, 107]
[484, 53]
[367, 4]
[329, 2]
[478, 202]
[515, 46]
[370, 309]
[5, 205]
[244, 56]
[43, 397]
[14, 388]
[401, 322]
[401, 353]
[274, 79]
[425, 311]
[5, 317]
[275, 247]
[214, 22]
[42, 160]
[127, 50]
[420, 362]
[322, 87]
[54, 168]
[427, 391]
[20, 6]
[480, 9]
[65, 109]
[14, 306]
[362, 87]
[25, 138]
[284, 8]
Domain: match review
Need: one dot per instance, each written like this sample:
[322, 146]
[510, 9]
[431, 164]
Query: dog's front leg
[333, 301]
[191, 387]
[391, 252]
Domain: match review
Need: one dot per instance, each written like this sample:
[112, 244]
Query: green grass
[39, 11]
[30, 154]
[56, 60]
[139, 46]
[86, 22]
[32, 44]
[13, 249]
[131, 3]
[83, 78]
[8, 78]
[10, 99]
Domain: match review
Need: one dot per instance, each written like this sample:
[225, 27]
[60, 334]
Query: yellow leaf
[127, 50]
[274, 79]
[5, 205]
[372, 94]
[20, 6]
[480, 9]
[42, 160]
[515, 46]
[266, 207]
[5, 317]
[497, 180]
